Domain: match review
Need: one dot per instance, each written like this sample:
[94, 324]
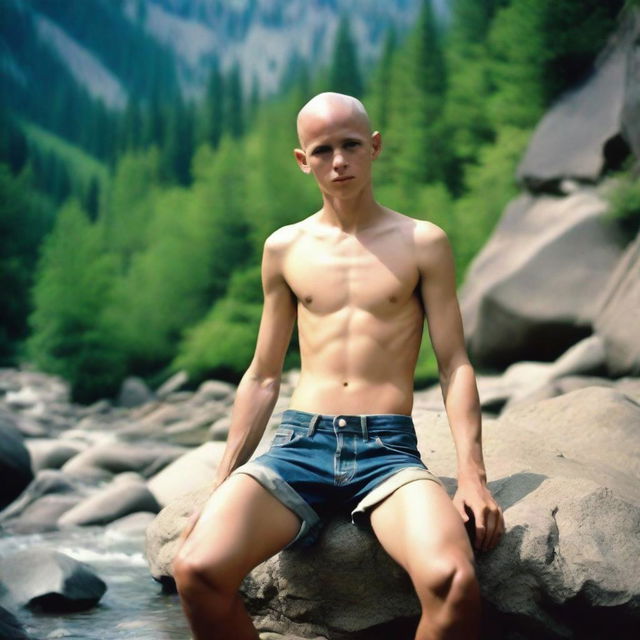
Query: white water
[133, 606]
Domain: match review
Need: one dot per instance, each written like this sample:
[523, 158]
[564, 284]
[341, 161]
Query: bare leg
[240, 526]
[420, 529]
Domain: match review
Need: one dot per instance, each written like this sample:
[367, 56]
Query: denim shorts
[322, 465]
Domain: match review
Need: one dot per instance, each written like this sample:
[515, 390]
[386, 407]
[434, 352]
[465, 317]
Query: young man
[360, 279]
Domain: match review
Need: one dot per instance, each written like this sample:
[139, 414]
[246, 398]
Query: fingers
[489, 526]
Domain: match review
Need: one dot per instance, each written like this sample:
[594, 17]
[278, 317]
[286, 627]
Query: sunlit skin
[360, 279]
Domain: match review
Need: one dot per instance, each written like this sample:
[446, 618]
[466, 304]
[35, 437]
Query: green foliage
[623, 195]
[491, 184]
[344, 74]
[222, 344]
[69, 336]
[23, 223]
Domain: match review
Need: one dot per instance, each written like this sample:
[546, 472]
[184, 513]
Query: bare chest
[378, 275]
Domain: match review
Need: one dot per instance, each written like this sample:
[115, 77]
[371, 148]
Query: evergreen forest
[131, 240]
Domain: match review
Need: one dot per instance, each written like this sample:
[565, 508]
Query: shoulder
[280, 240]
[427, 238]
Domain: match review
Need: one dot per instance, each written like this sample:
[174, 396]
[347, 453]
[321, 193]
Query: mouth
[343, 179]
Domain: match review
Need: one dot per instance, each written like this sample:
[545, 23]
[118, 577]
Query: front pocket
[398, 446]
[282, 437]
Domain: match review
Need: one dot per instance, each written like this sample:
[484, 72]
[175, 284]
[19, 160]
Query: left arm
[457, 379]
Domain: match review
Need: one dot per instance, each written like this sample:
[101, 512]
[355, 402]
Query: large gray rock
[15, 463]
[52, 453]
[571, 139]
[39, 506]
[618, 316]
[530, 293]
[10, 627]
[568, 473]
[118, 457]
[631, 106]
[127, 494]
[134, 392]
[48, 580]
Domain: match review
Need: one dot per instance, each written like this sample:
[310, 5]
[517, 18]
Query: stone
[631, 106]
[530, 293]
[49, 581]
[189, 472]
[571, 139]
[52, 453]
[214, 390]
[39, 506]
[617, 319]
[120, 498]
[10, 627]
[175, 382]
[15, 463]
[134, 392]
[117, 457]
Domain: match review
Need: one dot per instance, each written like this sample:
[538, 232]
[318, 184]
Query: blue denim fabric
[320, 465]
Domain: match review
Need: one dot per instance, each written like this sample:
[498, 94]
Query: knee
[192, 577]
[451, 580]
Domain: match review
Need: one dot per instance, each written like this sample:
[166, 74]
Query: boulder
[52, 453]
[530, 293]
[191, 471]
[10, 627]
[216, 391]
[118, 457]
[127, 494]
[617, 319]
[631, 106]
[567, 473]
[38, 508]
[578, 135]
[175, 382]
[48, 580]
[15, 463]
[134, 392]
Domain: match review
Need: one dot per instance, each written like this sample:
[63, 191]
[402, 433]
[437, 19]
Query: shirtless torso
[360, 279]
[359, 312]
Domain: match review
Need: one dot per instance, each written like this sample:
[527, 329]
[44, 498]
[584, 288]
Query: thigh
[240, 526]
[417, 523]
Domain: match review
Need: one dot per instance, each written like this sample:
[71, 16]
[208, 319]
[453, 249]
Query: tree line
[154, 265]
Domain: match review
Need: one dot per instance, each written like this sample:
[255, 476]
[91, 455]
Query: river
[133, 606]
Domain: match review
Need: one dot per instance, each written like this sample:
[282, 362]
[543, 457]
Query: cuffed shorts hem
[284, 492]
[360, 516]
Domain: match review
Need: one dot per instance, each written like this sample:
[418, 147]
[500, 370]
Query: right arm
[258, 390]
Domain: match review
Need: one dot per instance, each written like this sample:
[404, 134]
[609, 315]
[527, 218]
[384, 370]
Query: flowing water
[133, 605]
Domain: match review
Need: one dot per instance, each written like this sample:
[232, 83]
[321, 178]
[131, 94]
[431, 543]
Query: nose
[339, 160]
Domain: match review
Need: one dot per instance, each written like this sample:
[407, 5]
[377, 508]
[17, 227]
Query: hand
[194, 517]
[475, 498]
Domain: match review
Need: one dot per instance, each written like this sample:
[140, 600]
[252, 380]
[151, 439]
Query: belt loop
[363, 424]
[312, 424]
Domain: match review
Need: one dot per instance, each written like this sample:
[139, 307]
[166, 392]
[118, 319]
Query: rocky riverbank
[561, 451]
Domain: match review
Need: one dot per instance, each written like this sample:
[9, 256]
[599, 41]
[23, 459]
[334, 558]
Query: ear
[301, 159]
[376, 144]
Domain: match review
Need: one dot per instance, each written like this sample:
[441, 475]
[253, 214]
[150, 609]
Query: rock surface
[49, 581]
[567, 475]
[618, 316]
[537, 278]
[15, 463]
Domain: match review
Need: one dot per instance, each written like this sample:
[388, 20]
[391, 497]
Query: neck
[350, 214]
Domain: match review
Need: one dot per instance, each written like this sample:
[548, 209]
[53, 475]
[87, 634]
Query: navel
[393, 299]
[345, 384]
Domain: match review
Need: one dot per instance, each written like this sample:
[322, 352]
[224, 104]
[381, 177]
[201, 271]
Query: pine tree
[214, 105]
[234, 103]
[344, 73]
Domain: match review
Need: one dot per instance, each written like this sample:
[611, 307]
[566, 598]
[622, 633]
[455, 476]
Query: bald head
[330, 107]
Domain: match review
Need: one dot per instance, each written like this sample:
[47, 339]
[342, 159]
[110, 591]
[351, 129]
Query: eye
[349, 144]
[319, 150]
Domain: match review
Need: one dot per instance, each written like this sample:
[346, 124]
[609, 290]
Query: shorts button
[342, 422]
